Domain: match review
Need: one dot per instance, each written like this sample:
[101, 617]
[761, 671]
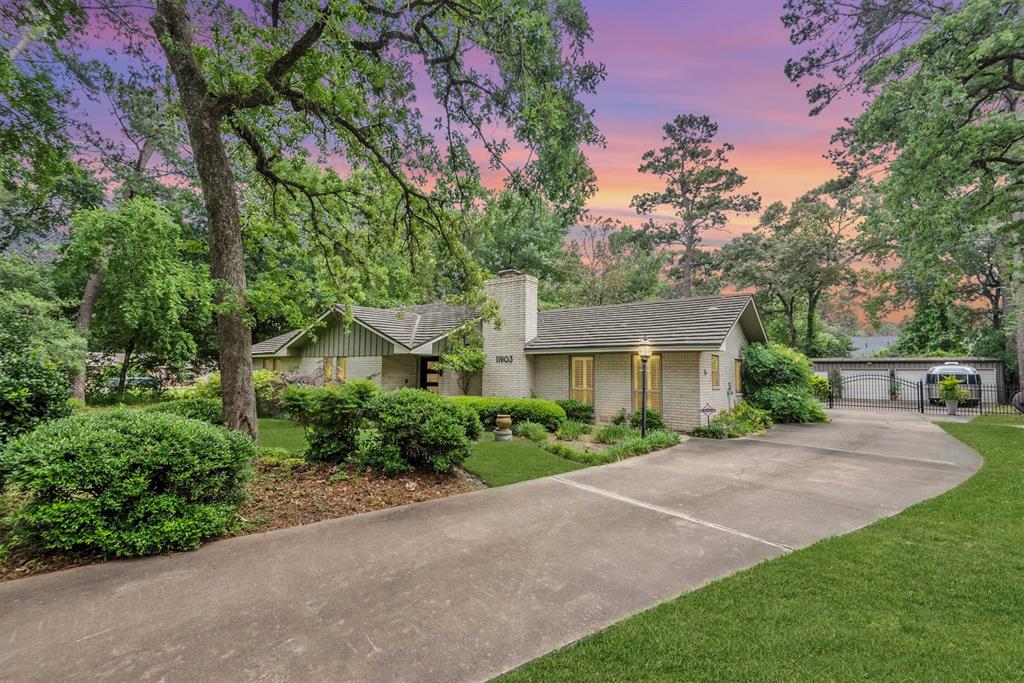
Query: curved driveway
[470, 586]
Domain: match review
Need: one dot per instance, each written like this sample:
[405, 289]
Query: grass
[499, 463]
[931, 594]
[281, 434]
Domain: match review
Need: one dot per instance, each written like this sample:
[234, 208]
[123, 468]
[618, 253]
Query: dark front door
[430, 375]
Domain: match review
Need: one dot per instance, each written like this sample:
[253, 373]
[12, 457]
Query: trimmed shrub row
[577, 411]
[195, 408]
[126, 482]
[547, 413]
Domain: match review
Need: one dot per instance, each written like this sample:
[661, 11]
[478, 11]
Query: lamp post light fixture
[645, 352]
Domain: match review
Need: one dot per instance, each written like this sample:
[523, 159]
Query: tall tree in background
[341, 76]
[945, 118]
[700, 189]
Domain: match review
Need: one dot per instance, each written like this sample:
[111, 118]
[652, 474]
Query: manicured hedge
[32, 391]
[196, 408]
[332, 416]
[126, 482]
[418, 429]
[577, 411]
[547, 413]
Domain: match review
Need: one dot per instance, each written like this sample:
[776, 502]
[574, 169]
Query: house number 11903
[503, 359]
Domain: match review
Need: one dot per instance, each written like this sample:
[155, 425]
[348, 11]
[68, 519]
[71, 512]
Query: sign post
[708, 411]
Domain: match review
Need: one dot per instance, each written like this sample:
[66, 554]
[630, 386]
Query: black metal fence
[881, 392]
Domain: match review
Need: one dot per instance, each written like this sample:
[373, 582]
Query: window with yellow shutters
[716, 380]
[653, 383]
[581, 380]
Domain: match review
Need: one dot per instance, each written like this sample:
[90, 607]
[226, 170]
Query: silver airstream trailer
[968, 376]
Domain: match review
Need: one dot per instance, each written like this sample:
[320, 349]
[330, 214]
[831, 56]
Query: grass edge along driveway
[498, 463]
[933, 593]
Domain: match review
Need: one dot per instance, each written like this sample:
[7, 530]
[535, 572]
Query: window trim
[593, 378]
[716, 371]
[634, 375]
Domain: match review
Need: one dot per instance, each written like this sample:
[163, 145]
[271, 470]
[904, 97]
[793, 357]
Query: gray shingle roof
[411, 326]
[698, 322]
[274, 344]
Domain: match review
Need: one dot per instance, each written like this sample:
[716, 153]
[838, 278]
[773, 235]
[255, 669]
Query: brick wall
[399, 372]
[508, 371]
[680, 389]
[551, 376]
[613, 385]
[731, 349]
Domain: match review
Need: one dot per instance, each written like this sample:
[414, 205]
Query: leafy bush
[206, 409]
[616, 433]
[778, 379]
[731, 424]
[32, 391]
[126, 482]
[429, 431]
[533, 431]
[635, 419]
[819, 387]
[569, 430]
[547, 413]
[950, 389]
[373, 452]
[577, 411]
[331, 416]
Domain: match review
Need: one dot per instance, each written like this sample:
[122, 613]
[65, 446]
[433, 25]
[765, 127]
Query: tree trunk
[203, 119]
[691, 244]
[1017, 289]
[812, 307]
[124, 365]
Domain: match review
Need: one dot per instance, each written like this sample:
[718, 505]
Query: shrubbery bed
[547, 413]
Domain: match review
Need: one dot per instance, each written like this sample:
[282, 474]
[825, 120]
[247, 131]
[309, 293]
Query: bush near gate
[547, 413]
[125, 482]
[820, 387]
[778, 379]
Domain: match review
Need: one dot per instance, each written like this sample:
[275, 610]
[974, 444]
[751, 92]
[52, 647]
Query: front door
[430, 375]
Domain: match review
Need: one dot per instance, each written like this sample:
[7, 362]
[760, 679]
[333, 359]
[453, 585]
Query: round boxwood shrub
[32, 391]
[429, 431]
[198, 408]
[126, 482]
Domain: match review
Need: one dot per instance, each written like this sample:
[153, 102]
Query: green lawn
[935, 593]
[281, 434]
[506, 462]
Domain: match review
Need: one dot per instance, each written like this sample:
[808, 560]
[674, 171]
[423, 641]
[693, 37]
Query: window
[716, 380]
[581, 379]
[653, 383]
[328, 368]
[739, 375]
[334, 368]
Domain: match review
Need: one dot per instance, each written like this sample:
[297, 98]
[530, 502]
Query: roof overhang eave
[630, 348]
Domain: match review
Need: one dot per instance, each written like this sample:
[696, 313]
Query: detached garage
[910, 369]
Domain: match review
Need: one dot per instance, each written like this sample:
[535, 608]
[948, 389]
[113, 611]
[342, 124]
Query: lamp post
[645, 352]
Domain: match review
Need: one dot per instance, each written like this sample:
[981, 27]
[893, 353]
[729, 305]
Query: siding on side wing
[334, 340]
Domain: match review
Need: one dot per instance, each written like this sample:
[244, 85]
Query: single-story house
[587, 354]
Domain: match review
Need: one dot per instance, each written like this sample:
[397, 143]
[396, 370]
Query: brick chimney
[508, 372]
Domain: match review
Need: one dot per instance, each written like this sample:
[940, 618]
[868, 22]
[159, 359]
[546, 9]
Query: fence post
[920, 396]
[830, 395]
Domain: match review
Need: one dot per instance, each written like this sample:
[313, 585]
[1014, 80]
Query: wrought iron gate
[876, 391]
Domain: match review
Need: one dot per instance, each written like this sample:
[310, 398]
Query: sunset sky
[720, 58]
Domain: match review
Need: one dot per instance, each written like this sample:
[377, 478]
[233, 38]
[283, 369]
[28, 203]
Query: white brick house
[588, 354]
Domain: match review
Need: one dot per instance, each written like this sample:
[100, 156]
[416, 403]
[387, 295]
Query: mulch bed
[283, 494]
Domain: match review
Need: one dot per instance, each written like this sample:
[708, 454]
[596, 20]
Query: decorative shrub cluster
[950, 389]
[730, 424]
[126, 482]
[196, 408]
[819, 387]
[531, 430]
[778, 379]
[570, 430]
[32, 391]
[577, 411]
[635, 419]
[331, 416]
[418, 429]
[547, 413]
[655, 440]
[613, 434]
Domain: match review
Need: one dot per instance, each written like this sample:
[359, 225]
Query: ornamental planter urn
[503, 431]
[951, 406]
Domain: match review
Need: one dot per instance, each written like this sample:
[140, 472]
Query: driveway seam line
[671, 513]
[872, 454]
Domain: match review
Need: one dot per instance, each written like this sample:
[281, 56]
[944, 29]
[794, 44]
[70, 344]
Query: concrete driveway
[468, 587]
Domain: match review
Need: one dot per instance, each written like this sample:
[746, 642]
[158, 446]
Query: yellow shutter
[739, 374]
[340, 366]
[328, 368]
[582, 379]
[715, 378]
[653, 383]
